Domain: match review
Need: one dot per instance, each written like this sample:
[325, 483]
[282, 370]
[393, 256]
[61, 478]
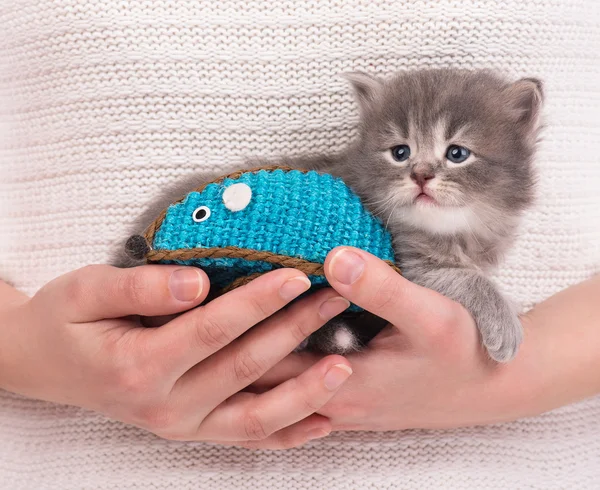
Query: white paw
[344, 340]
[502, 336]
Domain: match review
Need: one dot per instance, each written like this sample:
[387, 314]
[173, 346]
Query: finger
[373, 285]
[239, 365]
[313, 427]
[255, 418]
[195, 335]
[289, 367]
[102, 291]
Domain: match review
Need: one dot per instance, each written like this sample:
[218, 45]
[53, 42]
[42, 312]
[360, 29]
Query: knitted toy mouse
[245, 224]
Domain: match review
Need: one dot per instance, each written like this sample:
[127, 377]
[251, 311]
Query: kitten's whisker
[373, 201]
[474, 235]
[388, 210]
[386, 205]
[484, 225]
[391, 213]
[383, 202]
[457, 200]
[379, 201]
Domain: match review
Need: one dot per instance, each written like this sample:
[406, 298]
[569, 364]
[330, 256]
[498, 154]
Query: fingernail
[294, 287]
[335, 377]
[185, 284]
[317, 433]
[333, 307]
[347, 266]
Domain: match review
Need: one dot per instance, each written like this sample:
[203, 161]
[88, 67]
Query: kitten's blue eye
[457, 154]
[400, 152]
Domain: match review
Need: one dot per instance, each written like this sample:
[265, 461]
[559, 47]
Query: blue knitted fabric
[293, 213]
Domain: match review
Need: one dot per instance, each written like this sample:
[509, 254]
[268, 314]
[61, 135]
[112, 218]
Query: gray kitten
[444, 158]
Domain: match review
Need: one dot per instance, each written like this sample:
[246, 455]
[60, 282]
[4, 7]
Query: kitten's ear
[526, 97]
[365, 87]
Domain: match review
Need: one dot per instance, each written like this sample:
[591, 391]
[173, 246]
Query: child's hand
[75, 342]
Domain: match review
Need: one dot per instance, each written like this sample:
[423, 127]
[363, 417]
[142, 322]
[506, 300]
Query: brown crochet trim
[240, 281]
[155, 225]
[309, 268]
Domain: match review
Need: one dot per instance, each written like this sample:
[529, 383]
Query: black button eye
[457, 154]
[401, 152]
[201, 214]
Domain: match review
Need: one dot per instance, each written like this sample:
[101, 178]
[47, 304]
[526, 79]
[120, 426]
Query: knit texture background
[103, 102]
[297, 214]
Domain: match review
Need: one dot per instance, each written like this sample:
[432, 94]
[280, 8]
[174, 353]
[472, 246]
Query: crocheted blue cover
[293, 213]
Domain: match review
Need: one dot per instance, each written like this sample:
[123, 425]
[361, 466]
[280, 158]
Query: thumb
[96, 292]
[370, 283]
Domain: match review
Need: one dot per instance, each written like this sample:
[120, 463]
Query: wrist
[520, 387]
[552, 369]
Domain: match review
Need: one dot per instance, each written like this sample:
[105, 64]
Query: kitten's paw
[348, 332]
[502, 334]
[335, 337]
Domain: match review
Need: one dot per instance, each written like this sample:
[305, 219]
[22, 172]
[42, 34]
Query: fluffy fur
[451, 228]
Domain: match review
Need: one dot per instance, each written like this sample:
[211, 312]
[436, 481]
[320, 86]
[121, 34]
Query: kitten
[444, 158]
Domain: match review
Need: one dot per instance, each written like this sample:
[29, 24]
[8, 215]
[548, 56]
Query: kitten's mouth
[424, 198]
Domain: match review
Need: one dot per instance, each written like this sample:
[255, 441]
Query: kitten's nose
[421, 178]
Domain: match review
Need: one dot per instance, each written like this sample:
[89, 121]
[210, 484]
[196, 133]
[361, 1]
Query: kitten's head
[445, 151]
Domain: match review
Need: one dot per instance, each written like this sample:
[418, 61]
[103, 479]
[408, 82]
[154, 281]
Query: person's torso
[104, 103]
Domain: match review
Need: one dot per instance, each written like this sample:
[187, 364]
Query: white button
[237, 197]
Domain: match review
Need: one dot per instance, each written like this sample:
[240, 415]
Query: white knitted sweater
[103, 102]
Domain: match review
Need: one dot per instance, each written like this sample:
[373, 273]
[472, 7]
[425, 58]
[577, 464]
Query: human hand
[76, 342]
[425, 370]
